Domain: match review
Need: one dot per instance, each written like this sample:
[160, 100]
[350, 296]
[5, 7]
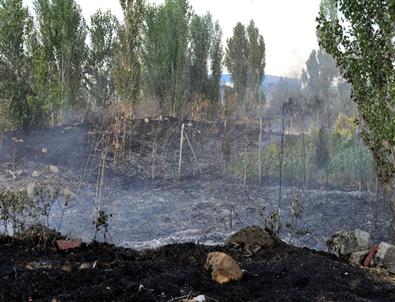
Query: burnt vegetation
[154, 139]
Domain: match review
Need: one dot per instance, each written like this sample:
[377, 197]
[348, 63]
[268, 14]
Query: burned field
[151, 207]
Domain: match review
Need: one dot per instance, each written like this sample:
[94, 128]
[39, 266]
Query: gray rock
[348, 242]
[36, 174]
[385, 257]
[53, 169]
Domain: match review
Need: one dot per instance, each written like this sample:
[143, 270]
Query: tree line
[52, 62]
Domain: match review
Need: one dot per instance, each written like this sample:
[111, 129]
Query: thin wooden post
[260, 151]
[180, 158]
[190, 145]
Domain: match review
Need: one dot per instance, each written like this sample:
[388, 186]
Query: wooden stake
[260, 151]
[180, 158]
[190, 146]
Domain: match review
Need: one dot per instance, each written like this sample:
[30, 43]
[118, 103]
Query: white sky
[288, 26]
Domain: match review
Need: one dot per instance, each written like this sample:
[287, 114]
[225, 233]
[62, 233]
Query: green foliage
[236, 60]
[350, 163]
[216, 64]
[317, 80]
[245, 60]
[127, 61]
[345, 128]
[166, 54]
[322, 149]
[361, 41]
[201, 29]
[205, 51]
[101, 224]
[256, 62]
[15, 60]
[60, 53]
[14, 207]
[103, 35]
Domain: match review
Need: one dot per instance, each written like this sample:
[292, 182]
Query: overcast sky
[288, 26]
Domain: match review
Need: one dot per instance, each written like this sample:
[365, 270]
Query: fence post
[181, 142]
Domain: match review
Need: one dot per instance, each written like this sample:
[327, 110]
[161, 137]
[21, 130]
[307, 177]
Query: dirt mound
[253, 237]
[102, 272]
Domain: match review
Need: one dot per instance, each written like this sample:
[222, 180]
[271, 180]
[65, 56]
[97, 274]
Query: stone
[200, 298]
[36, 174]
[224, 268]
[385, 257]
[36, 265]
[348, 242]
[44, 150]
[85, 265]
[64, 245]
[53, 169]
[253, 237]
[68, 194]
[67, 267]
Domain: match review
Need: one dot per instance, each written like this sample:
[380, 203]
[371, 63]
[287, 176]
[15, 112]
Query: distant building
[269, 82]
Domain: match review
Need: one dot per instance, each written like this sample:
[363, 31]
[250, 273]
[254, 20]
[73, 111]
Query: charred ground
[280, 273]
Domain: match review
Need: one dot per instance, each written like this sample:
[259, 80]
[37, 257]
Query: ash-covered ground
[150, 206]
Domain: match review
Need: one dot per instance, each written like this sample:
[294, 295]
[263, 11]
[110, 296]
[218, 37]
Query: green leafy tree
[317, 79]
[361, 39]
[103, 35]
[216, 64]
[15, 60]
[60, 53]
[256, 62]
[236, 61]
[166, 56]
[127, 61]
[201, 32]
[245, 60]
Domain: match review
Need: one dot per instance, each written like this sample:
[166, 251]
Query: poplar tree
[15, 60]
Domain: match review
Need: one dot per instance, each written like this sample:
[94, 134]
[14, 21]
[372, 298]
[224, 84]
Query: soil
[280, 273]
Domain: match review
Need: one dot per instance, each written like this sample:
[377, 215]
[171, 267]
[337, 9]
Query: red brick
[64, 245]
[372, 252]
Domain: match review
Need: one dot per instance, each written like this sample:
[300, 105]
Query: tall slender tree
[201, 32]
[361, 39]
[256, 62]
[216, 55]
[61, 35]
[245, 60]
[103, 35]
[166, 57]
[127, 61]
[236, 61]
[15, 60]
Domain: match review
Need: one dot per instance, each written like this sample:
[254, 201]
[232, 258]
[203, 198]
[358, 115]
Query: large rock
[253, 236]
[385, 257]
[53, 169]
[348, 242]
[223, 268]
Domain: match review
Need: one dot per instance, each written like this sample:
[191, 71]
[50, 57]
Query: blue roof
[268, 82]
